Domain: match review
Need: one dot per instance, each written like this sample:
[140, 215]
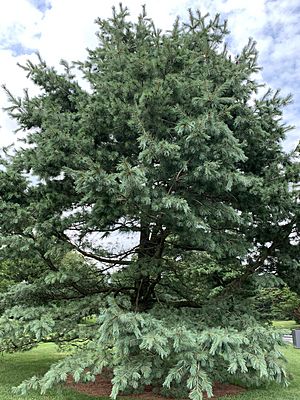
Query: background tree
[169, 143]
[275, 300]
[14, 271]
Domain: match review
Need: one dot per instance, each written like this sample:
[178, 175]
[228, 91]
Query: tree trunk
[150, 249]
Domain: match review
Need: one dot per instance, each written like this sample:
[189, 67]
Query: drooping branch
[259, 263]
[105, 260]
[99, 258]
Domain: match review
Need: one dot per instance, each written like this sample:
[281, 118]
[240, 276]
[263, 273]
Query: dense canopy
[168, 148]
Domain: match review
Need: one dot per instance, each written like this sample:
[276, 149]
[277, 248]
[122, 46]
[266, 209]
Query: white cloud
[67, 35]
[19, 22]
[67, 28]
[15, 79]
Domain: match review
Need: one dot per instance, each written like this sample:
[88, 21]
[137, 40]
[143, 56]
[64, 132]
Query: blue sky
[42, 5]
[64, 29]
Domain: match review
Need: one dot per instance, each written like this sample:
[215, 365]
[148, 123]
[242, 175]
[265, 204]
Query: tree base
[102, 387]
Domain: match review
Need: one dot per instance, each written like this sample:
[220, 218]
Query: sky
[63, 29]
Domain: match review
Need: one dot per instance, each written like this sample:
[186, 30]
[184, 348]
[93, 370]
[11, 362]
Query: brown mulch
[102, 387]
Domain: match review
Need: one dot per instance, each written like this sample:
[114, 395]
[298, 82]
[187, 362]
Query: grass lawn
[16, 367]
[286, 325]
[275, 392]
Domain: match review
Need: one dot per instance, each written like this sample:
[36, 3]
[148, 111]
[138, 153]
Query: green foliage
[14, 368]
[5, 279]
[149, 348]
[169, 144]
[277, 303]
[13, 271]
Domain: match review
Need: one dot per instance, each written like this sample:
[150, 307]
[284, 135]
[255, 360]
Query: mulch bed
[102, 387]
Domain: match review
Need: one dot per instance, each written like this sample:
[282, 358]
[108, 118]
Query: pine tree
[170, 143]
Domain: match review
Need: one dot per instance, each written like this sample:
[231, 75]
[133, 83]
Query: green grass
[276, 392]
[14, 368]
[286, 325]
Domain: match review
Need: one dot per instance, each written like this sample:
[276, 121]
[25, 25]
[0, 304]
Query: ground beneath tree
[102, 387]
